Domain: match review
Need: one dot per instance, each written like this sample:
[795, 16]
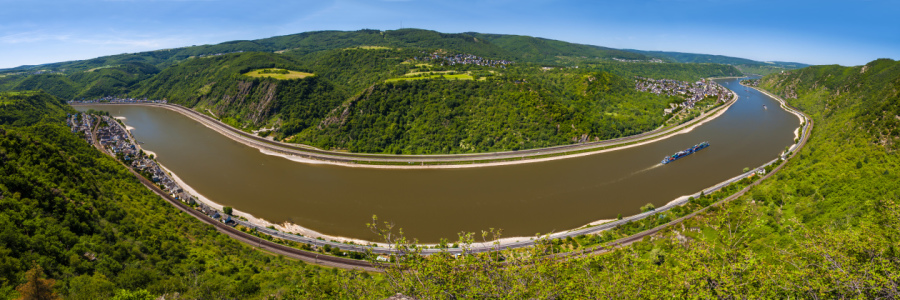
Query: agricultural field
[280, 74]
[450, 75]
[372, 48]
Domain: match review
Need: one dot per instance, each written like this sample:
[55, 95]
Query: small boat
[764, 107]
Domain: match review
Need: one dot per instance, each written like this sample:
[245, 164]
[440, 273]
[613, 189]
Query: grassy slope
[280, 74]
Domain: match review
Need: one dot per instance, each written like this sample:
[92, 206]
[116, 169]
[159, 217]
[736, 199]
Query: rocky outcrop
[262, 109]
[340, 114]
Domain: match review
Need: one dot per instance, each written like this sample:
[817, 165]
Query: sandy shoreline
[706, 119]
[297, 229]
[785, 107]
[463, 164]
[285, 227]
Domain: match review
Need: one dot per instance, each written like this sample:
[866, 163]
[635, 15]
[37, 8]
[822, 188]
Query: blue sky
[814, 32]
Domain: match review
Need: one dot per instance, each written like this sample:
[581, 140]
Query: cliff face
[218, 85]
[251, 102]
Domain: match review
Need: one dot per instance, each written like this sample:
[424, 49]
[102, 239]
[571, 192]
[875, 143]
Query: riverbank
[784, 104]
[302, 154]
[514, 242]
[285, 227]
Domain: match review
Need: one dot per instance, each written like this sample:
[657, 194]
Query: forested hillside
[870, 91]
[93, 228]
[314, 41]
[531, 111]
[826, 226]
[91, 84]
[29, 107]
[350, 104]
[402, 91]
[746, 66]
[546, 50]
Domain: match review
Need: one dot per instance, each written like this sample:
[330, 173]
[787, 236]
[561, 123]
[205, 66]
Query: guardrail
[491, 246]
[307, 152]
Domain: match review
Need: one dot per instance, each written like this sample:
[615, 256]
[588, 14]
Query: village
[653, 60]
[465, 59]
[116, 140]
[692, 92]
[112, 99]
[750, 82]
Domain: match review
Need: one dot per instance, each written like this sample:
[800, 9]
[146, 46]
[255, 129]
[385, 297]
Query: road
[477, 247]
[806, 131]
[419, 161]
[246, 238]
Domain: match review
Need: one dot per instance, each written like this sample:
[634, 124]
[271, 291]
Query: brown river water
[430, 204]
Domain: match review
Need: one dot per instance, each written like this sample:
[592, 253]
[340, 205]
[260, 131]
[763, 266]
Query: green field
[280, 74]
[371, 48]
[432, 75]
[417, 64]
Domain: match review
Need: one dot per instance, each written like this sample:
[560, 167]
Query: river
[430, 204]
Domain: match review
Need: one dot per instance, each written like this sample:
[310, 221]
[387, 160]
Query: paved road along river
[430, 204]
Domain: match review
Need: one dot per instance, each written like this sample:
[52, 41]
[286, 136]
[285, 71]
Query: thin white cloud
[32, 37]
[103, 40]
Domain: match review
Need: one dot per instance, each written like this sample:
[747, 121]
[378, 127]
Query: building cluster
[692, 92]
[114, 137]
[82, 123]
[464, 59]
[38, 72]
[118, 141]
[112, 99]
[751, 82]
[217, 54]
[654, 60]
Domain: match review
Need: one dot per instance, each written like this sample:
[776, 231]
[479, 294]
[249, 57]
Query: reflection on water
[430, 204]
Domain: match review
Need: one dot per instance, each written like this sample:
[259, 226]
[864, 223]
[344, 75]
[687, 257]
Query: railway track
[363, 159]
[345, 263]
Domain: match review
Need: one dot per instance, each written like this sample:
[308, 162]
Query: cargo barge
[685, 152]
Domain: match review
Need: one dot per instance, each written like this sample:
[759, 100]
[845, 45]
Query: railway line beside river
[478, 247]
[305, 153]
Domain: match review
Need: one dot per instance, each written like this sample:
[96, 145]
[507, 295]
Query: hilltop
[493, 45]
[824, 226]
[402, 91]
[746, 66]
[517, 47]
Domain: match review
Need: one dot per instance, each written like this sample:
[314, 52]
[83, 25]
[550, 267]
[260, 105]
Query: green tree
[133, 295]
